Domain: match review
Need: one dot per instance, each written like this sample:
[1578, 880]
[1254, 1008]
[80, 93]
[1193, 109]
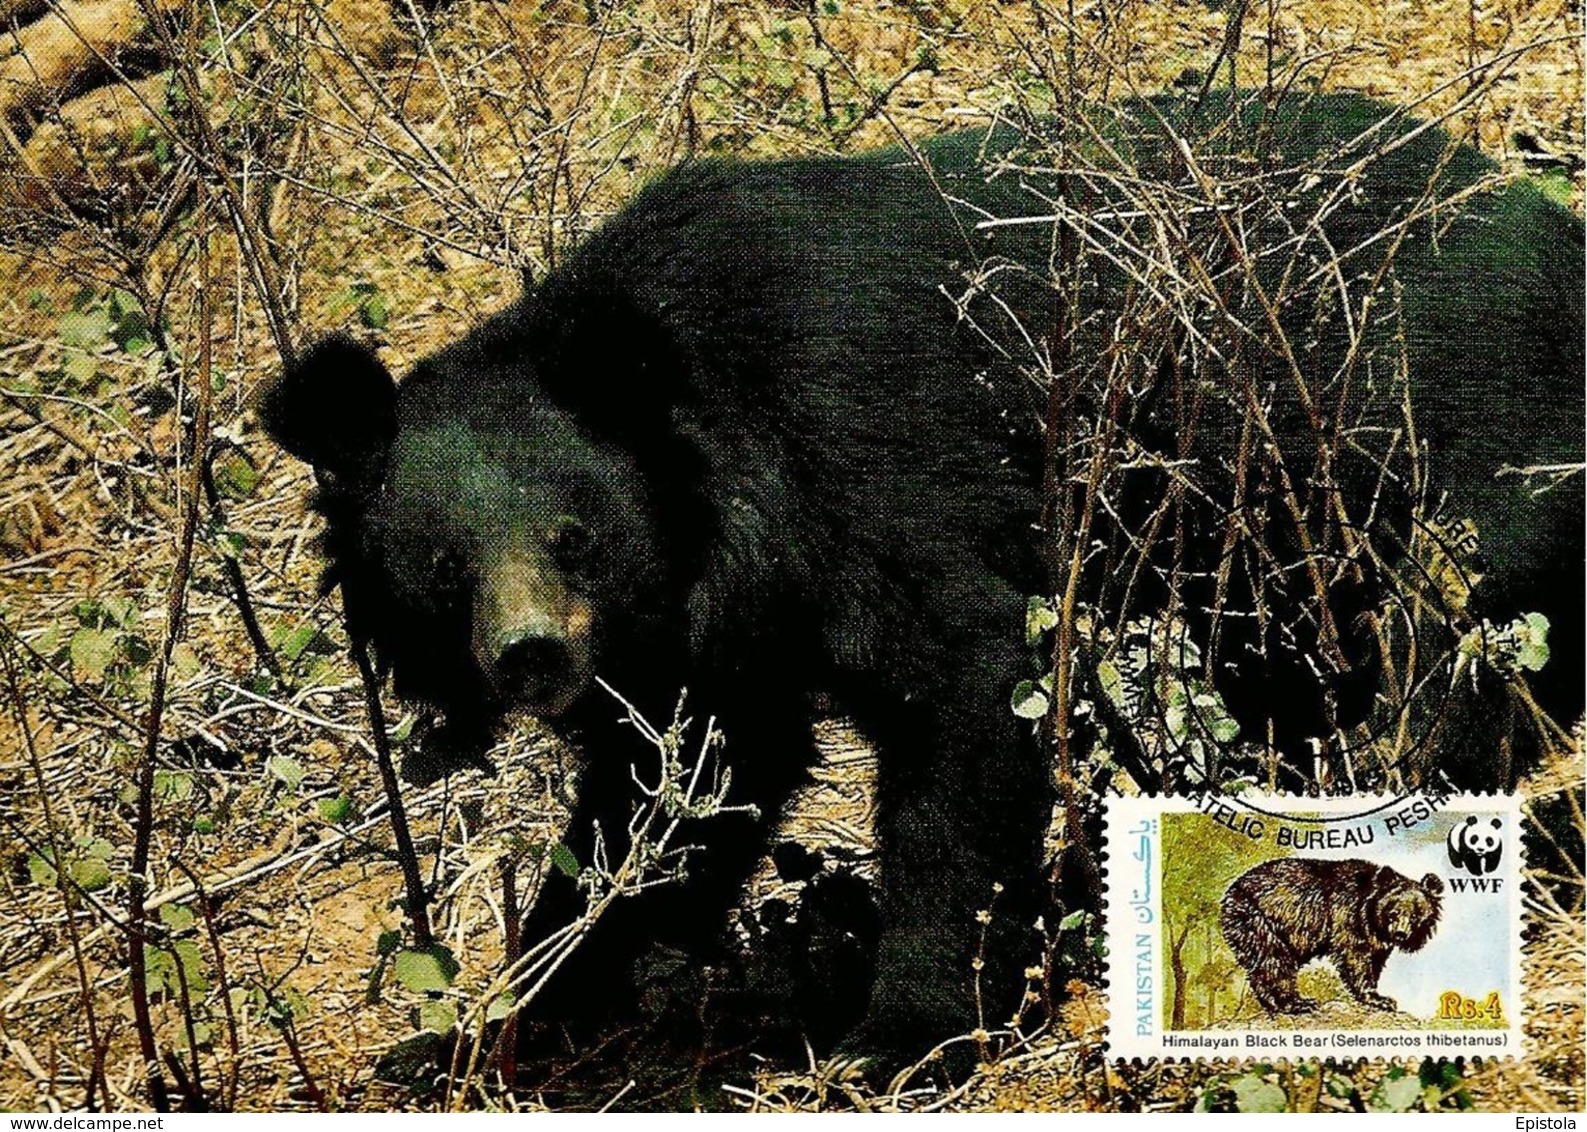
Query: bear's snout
[531, 635]
[531, 667]
[540, 671]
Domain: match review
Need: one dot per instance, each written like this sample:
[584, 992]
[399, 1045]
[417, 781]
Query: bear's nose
[531, 665]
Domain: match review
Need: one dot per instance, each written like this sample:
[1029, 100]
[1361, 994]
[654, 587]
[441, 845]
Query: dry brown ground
[404, 170]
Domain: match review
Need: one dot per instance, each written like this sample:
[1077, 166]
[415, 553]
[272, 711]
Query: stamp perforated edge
[1125, 902]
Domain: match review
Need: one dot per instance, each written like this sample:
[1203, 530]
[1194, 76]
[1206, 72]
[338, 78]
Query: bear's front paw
[438, 748]
[1301, 1005]
[1379, 1001]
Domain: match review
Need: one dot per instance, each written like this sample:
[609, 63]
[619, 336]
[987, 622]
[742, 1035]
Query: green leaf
[40, 871]
[279, 1006]
[176, 917]
[122, 301]
[203, 1035]
[172, 786]
[1223, 728]
[375, 312]
[1040, 616]
[192, 963]
[353, 293]
[288, 770]
[169, 969]
[235, 477]
[1439, 1074]
[93, 651]
[1397, 1092]
[1532, 635]
[431, 970]
[89, 874]
[1073, 922]
[1254, 1094]
[1028, 701]
[49, 642]
[185, 664]
[1112, 683]
[1555, 186]
[291, 1004]
[295, 642]
[500, 1007]
[1340, 1086]
[85, 328]
[87, 865]
[1174, 721]
[81, 367]
[91, 846]
[132, 332]
[204, 823]
[562, 857]
[387, 943]
[438, 1016]
[336, 810]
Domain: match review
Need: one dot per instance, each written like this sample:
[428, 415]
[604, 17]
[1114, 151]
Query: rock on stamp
[1282, 927]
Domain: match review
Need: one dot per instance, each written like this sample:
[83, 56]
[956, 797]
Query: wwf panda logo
[1476, 846]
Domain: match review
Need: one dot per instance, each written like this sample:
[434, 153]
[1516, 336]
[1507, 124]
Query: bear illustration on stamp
[1346, 926]
[1283, 913]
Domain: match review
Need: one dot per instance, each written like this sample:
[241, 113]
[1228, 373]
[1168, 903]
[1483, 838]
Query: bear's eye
[570, 544]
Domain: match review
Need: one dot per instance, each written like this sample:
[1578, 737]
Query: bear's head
[1404, 912]
[485, 545]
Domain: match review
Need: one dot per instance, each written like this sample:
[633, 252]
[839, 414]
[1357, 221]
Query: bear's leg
[1269, 961]
[1360, 972]
[768, 748]
[964, 797]
[1275, 974]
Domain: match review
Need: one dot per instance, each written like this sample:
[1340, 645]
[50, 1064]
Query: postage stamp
[1283, 927]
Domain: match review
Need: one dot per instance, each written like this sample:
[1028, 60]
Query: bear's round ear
[1433, 884]
[335, 408]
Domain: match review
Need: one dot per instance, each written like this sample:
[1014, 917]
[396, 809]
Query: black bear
[776, 428]
[1280, 915]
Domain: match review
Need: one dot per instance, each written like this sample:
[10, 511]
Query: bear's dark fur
[742, 441]
[1282, 914]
